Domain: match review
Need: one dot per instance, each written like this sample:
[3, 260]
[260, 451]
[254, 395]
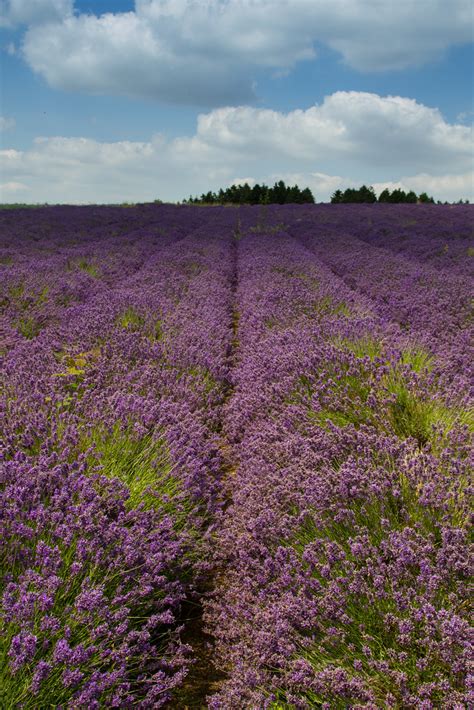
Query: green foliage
[425, 420]
[363, 194]
[28, 326]
[367, 194]
[417, 358]
[256, 195]
[398, 196]
[410, 417]
[424, 198]
[365, 346]
[353, 390]
[389, 402]
[24, 301]
[142, 463]
[74, 367]
[88, 267]
[157, 331]
[16, 292]
[20, 205]
[130, 319]
[385, 196]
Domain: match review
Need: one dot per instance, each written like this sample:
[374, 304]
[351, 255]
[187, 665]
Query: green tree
[385, 195]
[307, 196]
[398, 196]
[258, 194]
[367, 194]
[425, 199]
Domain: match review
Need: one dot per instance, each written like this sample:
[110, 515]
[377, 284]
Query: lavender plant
[267, 416]
[346, 546]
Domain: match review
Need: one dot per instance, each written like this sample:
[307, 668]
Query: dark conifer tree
[256, 195]
[385, 195]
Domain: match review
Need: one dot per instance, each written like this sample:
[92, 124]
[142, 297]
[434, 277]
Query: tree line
[279, 193]
[256, 195]
[367, 194]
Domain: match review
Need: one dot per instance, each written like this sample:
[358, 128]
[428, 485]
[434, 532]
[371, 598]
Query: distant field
[236, 457]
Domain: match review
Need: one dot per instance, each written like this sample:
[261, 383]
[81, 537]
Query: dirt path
[204, 678]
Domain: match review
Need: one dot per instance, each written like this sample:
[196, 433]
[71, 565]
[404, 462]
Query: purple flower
[22, 650]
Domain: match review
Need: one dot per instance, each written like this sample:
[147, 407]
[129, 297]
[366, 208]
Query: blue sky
[111, 100]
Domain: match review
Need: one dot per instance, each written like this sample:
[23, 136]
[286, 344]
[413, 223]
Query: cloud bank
[33, 12]
[352, 137]
[207, 53]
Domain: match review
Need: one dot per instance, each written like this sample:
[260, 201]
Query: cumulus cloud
[29, 12]
[357, 127]
[349, 139]
[122, 54]
[207, 53]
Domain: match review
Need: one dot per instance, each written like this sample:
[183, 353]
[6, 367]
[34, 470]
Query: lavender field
[236, 457]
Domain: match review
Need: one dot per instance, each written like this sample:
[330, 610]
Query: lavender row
[110, 474]
[440, 237]
[134, 378]
[431, 306]
[344, 552]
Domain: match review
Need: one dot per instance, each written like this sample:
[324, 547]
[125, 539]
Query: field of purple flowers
[236, 457]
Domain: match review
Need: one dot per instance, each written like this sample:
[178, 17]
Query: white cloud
[443, 187]
[348, 127]
[465, 116]
[207, 52]
[349, 139]
[6, 123]
[29, 12]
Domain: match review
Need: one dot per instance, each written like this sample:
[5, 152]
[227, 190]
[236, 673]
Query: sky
[132, 101]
